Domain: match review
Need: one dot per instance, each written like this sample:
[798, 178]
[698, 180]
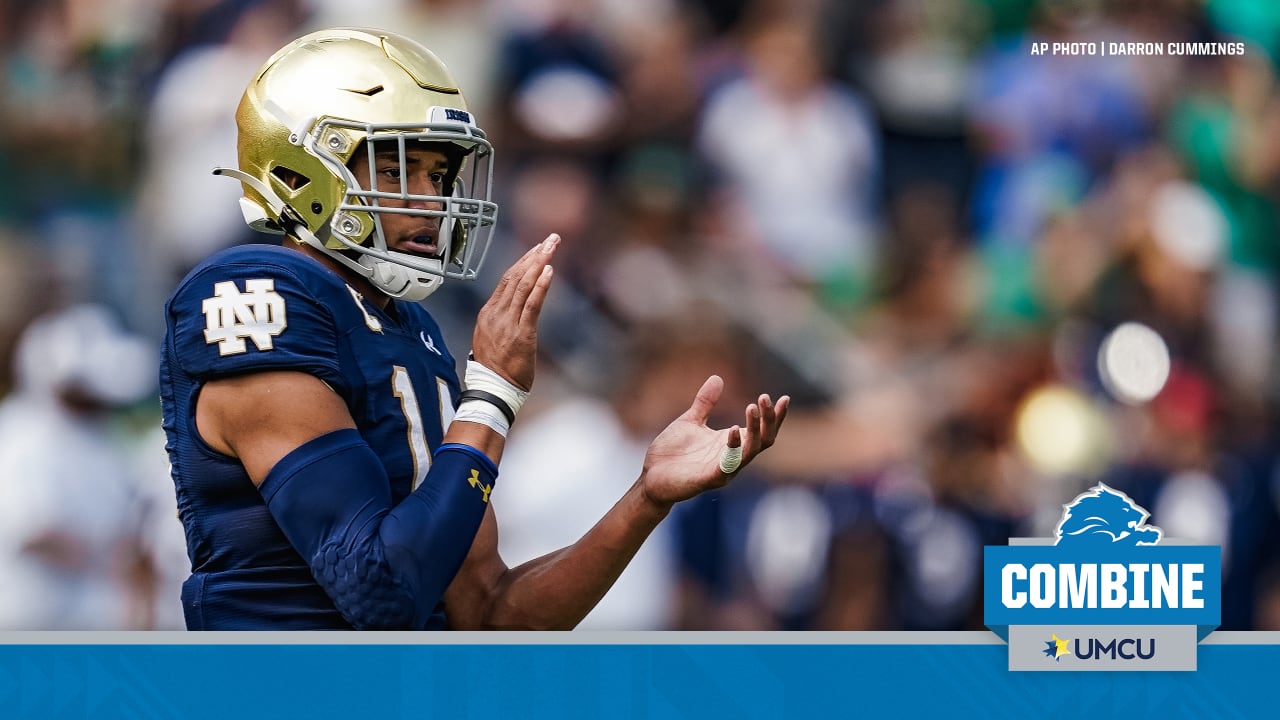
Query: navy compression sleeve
[384, 567]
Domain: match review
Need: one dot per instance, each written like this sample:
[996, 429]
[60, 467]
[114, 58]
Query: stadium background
[889, 209]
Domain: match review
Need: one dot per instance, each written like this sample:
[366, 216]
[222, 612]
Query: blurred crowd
[890, 209]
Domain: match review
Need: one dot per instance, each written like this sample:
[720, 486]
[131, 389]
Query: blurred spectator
[661, 80]
[558, 85]
[797, 156]
[912, 61]
[1048, 126]
[70, 83]
[69, 546]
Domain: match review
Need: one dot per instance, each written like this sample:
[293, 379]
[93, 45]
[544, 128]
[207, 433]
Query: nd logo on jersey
[1106, 591]
[231, 315]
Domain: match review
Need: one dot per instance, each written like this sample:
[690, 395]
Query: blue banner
[612, 681]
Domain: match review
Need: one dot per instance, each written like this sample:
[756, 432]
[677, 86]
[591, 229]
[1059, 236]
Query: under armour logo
[231, 316]
[429, 342]
[474, 481]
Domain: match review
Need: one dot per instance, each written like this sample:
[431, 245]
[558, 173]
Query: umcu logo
[1092, 648]
[1057, 647]
[1104, 590]
[1122, 648]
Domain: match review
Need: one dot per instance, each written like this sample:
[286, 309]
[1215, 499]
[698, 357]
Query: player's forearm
[557, 590]
[385, 565]
[478, 436]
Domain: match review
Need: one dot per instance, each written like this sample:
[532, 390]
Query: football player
[332, 470]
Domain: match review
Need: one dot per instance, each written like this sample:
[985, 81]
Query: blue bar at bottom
[613, 681]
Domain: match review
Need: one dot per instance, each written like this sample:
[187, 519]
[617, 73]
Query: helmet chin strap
[399, 281]
[396, 280]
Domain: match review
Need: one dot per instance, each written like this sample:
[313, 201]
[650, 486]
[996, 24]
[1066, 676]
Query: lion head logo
[1102, 517]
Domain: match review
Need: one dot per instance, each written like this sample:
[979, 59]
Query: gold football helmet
[330, 94]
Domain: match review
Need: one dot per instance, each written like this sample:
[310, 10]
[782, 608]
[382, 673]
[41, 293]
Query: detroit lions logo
[1102, 517]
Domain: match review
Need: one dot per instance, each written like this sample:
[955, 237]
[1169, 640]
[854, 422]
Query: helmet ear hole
[291, 179]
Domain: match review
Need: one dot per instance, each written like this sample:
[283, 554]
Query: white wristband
[479, 377]
[485, 413]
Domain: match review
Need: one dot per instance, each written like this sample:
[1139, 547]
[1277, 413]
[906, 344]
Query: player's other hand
[685, 459]
[506, 335]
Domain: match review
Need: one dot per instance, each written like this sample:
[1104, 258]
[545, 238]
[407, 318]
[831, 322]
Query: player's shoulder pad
[255, 307]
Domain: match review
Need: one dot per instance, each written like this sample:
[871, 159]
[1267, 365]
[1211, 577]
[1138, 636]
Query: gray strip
[1240, 637]
[1028, 542]
[581, 637]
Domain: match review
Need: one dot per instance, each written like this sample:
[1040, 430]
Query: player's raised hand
[506, 334]
[688, 457]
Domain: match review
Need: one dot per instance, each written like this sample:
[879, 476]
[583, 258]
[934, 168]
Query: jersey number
[402, 387]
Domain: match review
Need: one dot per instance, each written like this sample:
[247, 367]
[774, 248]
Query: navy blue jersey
[261, 307]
